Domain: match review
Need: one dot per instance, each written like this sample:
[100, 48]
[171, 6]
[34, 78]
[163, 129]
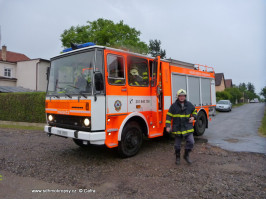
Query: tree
[251, 87]
[155, 48]
[107, 33]
[235, 93]
[224, 95]
[263, 93]
[242, 87]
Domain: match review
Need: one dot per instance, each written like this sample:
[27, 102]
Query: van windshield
[72, 74]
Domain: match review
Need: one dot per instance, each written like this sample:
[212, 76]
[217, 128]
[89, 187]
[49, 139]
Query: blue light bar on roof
[79, 46]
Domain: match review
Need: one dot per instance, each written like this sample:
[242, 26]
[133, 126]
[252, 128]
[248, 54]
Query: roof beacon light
[79, 46]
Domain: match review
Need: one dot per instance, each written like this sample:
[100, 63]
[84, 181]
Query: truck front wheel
[200, 124]
[131, 140]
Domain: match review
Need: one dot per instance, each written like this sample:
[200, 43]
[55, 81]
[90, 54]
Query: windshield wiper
[68, 95]
[82, 94]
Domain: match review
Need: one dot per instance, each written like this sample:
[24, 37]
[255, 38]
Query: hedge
[23, 107]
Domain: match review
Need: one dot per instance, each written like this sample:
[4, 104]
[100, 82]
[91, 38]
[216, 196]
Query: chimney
[4, 53]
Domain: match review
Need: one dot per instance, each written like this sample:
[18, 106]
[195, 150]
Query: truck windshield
[72, 74]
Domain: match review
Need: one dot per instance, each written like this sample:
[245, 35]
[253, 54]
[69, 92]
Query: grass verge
[262, 128]
[239, 104]
[36, 128]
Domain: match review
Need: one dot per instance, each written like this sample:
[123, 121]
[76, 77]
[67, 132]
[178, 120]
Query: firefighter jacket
[180, 117]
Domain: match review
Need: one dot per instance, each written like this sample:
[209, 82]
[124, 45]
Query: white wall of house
[26, 74]
[8, 83]
[8, 65]
[32, 74]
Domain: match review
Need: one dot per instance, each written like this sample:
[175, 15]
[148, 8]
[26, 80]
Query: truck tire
[131, 140]
[80, 143]
[200, 125]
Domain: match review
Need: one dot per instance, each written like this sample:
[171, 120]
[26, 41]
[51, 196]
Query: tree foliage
[223, 95]
[107, 33]
[263, 92]
[250, 87]
[235, 93]
[242, 87]
[155, 48]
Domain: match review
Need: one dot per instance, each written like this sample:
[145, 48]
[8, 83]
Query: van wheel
[131, 140]
[200, 124]
[80, 143]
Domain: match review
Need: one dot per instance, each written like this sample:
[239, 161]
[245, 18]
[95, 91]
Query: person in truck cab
[134, 78]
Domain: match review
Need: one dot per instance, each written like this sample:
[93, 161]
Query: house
[219, 82]
[228, 83]
[18, 70]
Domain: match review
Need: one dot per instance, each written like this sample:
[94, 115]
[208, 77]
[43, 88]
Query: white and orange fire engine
[105, 96]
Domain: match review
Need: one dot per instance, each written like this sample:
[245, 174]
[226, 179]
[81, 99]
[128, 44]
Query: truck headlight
[50, 118]
[86, 122]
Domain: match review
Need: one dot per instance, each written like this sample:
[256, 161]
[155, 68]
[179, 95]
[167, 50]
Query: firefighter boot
[177, 154]
[186, 156]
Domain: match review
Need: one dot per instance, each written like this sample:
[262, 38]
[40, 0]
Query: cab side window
[116, 69]
[138, 74]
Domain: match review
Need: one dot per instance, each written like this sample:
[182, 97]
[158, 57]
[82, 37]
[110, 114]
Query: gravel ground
[30, 160]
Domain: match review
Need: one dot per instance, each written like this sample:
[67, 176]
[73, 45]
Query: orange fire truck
[105, 96]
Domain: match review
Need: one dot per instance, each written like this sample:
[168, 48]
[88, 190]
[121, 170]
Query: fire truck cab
[105, 96]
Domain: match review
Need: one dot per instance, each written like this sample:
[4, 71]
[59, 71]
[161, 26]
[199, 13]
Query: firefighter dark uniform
[180, 114]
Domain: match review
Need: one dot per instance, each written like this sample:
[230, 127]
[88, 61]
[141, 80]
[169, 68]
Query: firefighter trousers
[189, 142]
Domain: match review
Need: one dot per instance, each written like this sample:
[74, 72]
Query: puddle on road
[231, 140]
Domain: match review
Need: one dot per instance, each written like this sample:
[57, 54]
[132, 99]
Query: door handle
[124, 89]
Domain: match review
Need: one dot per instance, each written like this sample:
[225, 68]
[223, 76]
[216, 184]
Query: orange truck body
[109, 111]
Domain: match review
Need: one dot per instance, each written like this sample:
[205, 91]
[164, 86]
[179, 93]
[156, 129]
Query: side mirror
[98, 79]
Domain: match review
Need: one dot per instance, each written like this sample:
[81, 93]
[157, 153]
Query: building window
[7, 72]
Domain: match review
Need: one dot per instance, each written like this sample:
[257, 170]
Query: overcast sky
[229, 35]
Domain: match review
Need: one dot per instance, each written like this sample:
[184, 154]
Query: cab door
[116, 90]
[157, 100]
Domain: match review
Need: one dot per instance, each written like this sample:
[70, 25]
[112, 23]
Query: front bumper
[223, 109]
[93, 137]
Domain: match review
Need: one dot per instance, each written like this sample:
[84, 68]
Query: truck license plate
[63, 133]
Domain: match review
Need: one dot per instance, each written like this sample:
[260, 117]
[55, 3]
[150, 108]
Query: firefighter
[182, 112]
[134, 78]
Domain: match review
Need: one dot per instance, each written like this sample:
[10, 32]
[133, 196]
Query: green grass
[262, 128]
[36, 128]
[239, 104]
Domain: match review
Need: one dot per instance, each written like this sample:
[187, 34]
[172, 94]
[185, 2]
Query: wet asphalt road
[238, 130]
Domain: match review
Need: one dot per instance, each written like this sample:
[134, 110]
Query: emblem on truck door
[117, 105]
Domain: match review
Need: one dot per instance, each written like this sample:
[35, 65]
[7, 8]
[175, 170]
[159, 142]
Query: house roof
[5, 89]
[228, 83]
[218, 78]
[13, 56]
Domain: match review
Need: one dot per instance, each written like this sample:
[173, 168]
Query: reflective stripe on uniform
[194, 112]
[170, 114]
[183, 132]
[168, 121]
[177, 115]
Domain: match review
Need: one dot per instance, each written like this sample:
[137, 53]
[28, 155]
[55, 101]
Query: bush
[23, 107]
[224, 95]
[235, 94]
